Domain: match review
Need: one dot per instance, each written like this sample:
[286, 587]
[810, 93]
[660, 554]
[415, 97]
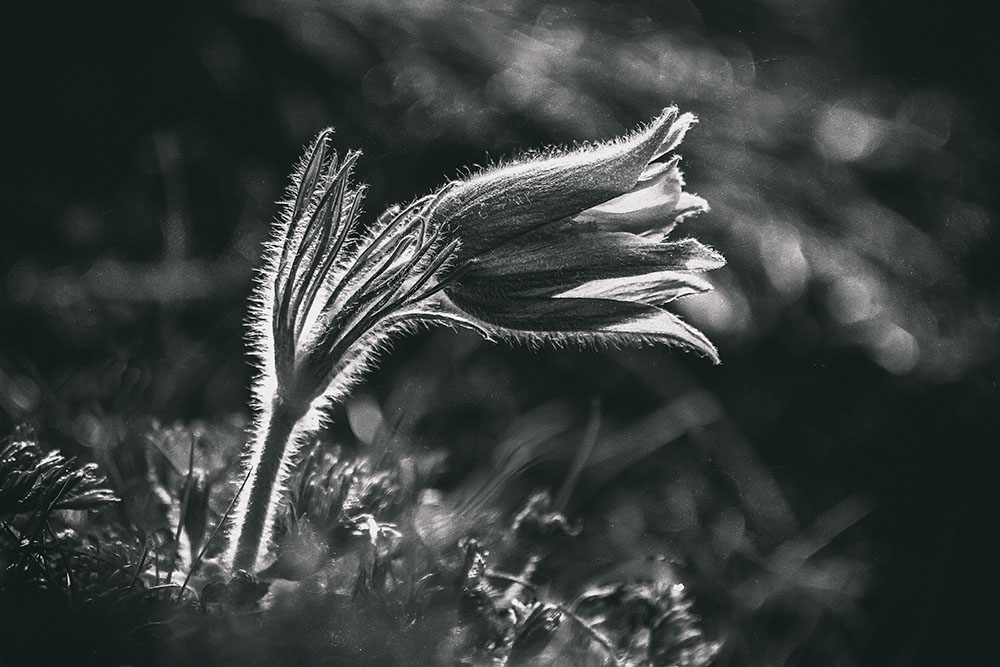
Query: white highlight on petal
[591, 155]
[653, 288]
[653, 207]
[654, 200]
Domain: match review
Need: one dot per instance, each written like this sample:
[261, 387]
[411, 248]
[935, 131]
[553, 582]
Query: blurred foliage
[373, 562]
[817, 495]
[34, 484]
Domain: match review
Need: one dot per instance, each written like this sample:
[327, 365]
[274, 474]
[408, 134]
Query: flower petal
[652, 200]
[561, 260]
[665, 327]
[604, 322]
[678, 128]
[531, 313]
[499, 204]
[654, 289]
[653, 208]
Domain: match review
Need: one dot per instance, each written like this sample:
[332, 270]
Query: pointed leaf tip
[318, 152]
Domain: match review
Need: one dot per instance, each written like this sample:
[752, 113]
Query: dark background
[848, 150]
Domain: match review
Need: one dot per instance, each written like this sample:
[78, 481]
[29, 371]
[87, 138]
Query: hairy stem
[261, 497]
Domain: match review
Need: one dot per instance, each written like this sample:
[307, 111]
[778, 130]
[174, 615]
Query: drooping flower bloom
[571, 247]
[567, 247]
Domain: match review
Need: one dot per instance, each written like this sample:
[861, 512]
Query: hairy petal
[665, 327]
[553, 263]
[500, 204]
[675, 135]
[654, 201]
[545, 314]
[581, 321]
[655, 289]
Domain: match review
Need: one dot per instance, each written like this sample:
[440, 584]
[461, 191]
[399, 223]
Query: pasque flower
[571, 246]
[567, 247]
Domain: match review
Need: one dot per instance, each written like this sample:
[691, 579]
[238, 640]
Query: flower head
[572, 246]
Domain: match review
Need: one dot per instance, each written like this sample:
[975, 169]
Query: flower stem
[261, 498]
